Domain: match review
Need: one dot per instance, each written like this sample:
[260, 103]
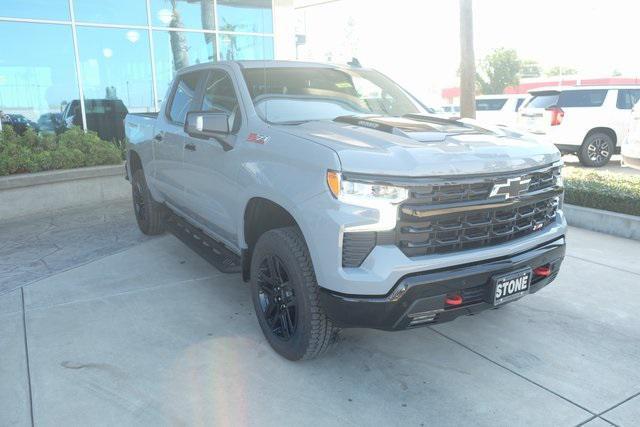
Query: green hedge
[602, 190]
[74, 148]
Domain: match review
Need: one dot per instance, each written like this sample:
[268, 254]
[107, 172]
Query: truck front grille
[476, 189]
[451, 215]
[472, 229]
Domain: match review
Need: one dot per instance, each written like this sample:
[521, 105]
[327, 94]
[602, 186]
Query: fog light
[453, 299]
[544, 271]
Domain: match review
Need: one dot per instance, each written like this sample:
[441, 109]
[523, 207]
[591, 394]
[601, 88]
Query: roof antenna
[354, 63]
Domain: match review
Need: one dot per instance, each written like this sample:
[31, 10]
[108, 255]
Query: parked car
[19, 123]
[498, 109]
[631, 147]
[51, 122]
[590, 121]
[104, 116]
[451, 109]
[341, 201]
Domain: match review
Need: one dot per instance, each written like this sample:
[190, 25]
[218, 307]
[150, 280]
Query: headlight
[358, 192]
[381, 199]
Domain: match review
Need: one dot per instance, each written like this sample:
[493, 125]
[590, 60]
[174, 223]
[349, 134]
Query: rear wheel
[149, 214]
[286, 296]
[596, 150]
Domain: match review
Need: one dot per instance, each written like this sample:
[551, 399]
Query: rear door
[625, 100]
[169, 139]
[584, 109]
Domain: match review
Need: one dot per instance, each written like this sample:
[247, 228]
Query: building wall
[92, 56]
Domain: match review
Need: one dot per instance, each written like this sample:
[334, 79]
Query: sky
[416, 42]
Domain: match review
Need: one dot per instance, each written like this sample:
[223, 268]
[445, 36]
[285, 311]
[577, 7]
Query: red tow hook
[544, 271]
[453, 299]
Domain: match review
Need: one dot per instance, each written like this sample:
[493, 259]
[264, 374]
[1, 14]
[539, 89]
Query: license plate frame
[501, 292]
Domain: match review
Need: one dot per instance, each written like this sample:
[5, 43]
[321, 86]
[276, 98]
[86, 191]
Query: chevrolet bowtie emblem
[510, 189]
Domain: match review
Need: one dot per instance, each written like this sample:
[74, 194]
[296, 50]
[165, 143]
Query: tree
[561, 71]
[499, 69]
[467, 61]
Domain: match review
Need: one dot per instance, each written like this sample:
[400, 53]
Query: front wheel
[286, 296]
[596, 150]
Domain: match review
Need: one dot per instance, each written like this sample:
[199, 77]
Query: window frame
[619, 96]
[238, 121]
[149, 26]
[561, 101]
[197, 96]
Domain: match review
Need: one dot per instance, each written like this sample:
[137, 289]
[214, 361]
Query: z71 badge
[257, 138]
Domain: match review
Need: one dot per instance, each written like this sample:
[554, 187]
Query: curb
[613, 223]
[50, 177]
[52, 191]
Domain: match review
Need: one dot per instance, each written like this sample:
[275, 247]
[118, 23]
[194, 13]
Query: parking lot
[145, 332]
[613, 166]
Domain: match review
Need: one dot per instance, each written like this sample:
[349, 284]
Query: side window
[182, 100]
[220, 97]
[627, 98]
[583, 98]
[490, 104]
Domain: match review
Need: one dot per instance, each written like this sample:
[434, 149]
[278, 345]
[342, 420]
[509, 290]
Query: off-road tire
[150, 215]
[314, 332]
[596, 150]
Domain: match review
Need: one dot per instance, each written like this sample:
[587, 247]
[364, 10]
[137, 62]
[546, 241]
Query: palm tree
[179, 47]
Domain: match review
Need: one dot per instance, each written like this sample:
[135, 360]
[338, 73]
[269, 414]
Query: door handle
[190, 147]
[158, 137]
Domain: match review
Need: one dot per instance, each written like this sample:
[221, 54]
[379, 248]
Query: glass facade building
[88, 62]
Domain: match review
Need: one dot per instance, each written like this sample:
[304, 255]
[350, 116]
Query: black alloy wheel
[138, 200]
[277, 297]
[286, 296]
[149, 214]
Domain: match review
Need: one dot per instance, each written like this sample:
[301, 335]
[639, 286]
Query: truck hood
[404, 147]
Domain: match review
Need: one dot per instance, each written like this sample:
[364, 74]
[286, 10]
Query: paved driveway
[153, 335]
[613, 166]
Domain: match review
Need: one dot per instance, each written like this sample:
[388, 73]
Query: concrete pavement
[34, 247]
[153, 335]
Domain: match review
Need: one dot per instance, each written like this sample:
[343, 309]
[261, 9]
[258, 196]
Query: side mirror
[203, 124]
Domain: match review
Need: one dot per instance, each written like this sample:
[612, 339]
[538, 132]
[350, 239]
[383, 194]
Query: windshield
[292, 95]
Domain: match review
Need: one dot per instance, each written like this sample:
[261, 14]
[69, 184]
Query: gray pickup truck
[341, 201]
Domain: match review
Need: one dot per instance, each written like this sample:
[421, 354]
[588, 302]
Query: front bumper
[419, 299]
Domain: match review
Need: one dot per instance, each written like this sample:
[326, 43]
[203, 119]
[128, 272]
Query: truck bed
[140, 127]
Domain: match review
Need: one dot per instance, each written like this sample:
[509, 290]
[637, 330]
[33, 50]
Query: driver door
[212, 164]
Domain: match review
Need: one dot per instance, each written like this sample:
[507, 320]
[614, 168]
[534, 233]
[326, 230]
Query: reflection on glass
[35, 9]
[193, 14]
[234, 47]
[174, 50]
[128, 12]
[37, 72]
[249, 16]
[116, 72]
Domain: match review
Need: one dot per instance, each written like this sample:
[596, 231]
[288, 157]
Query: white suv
[590, 121]
[498, 109]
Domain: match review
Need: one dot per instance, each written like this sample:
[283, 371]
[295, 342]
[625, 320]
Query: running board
[214, 252]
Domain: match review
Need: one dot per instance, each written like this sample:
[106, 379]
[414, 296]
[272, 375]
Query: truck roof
[251, 64]
[581, 87]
